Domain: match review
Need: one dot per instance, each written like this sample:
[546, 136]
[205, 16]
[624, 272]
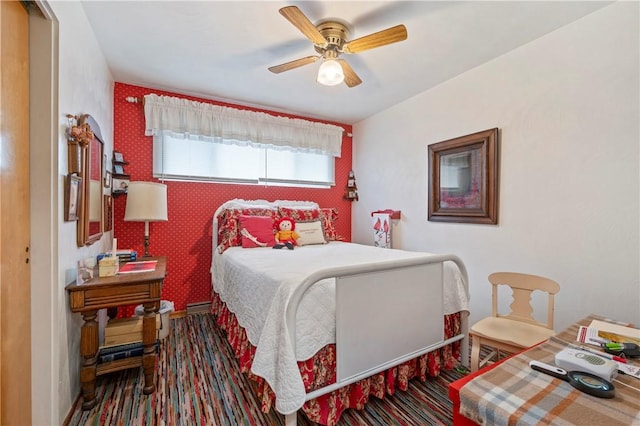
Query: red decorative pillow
[229, 225]
[299, 215]
[256, 231]
[328, 217]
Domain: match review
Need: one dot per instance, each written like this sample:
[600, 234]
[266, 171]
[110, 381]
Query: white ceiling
[222, 49]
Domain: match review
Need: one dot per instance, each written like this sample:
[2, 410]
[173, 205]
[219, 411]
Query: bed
[297, 321]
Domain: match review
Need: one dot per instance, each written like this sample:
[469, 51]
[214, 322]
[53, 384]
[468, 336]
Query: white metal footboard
[386, 314]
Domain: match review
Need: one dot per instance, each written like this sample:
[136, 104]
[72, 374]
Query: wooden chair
[517, 330]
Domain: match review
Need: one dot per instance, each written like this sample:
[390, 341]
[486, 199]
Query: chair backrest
[522, 285]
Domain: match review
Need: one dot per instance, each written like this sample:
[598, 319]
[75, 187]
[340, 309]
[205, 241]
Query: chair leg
[488, 360]
[475, 354]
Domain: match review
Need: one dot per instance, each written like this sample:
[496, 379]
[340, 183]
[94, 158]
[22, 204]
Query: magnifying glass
[583, 381]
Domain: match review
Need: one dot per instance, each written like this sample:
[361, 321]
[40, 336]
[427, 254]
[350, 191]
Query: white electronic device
[576, 360]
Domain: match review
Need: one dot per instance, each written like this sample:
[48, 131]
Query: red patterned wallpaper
[186, 238]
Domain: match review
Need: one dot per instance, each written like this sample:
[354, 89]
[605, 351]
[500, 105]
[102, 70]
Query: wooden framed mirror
[90, 218]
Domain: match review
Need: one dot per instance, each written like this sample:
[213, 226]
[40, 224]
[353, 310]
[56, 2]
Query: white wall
[84, 85]
[568, 110]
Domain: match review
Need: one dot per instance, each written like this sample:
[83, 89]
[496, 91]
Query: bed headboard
[238, 203]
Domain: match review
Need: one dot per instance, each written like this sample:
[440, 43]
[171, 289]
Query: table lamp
[146, 202]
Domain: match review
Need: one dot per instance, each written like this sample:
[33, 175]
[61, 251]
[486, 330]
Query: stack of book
[121, 331]
[127, 255]
[123, 255]
[116, 352]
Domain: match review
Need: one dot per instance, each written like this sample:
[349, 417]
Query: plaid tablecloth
[514, 394]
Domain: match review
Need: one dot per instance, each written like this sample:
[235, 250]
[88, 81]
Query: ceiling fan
[329, 39]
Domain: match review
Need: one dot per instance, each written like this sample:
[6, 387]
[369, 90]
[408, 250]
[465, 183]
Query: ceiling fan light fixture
[330, 73]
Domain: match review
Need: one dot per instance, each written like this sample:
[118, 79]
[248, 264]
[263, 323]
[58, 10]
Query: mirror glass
[91, 171]
[460, 178]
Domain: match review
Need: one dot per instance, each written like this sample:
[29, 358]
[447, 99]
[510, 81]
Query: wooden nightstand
[110, 292]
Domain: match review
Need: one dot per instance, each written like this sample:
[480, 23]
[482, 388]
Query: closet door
[15, 312]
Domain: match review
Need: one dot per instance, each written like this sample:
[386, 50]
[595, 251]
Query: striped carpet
[199, 383]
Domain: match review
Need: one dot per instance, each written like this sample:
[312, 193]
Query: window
[179, 158]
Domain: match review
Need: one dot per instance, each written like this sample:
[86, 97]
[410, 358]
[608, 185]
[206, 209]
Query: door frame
[46, 287]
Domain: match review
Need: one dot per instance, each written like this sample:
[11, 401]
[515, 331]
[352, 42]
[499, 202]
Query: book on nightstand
[116, 352]
[123, 255]
[138, 266]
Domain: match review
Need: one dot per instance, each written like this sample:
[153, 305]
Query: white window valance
[185, 118]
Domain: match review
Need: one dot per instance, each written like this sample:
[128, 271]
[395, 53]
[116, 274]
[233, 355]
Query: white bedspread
[256, 285]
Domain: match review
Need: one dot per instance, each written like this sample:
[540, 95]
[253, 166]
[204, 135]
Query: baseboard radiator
[198, 308]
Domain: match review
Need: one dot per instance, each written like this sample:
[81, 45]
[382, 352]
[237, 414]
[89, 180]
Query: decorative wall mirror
[91, 170]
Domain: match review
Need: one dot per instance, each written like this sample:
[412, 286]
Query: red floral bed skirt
[320, 370]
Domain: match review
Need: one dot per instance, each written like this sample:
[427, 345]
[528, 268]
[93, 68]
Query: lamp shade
[146, 202]
[330, 73]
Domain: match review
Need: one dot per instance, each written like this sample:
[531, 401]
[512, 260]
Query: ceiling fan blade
[381, 38]
[293, 64]
[351, 79]
[300, 21]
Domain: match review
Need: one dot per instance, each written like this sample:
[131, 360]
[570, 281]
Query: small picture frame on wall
[107, 179]
[118, 169]
[71, 196]
[119, 184]
[118, 157]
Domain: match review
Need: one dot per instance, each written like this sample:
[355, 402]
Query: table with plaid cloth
[513, 393]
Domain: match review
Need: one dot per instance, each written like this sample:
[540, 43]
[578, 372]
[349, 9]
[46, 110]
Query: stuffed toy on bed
[285, 233]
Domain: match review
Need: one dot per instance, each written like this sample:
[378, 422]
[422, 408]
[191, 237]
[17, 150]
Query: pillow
[328, 216]
[309, 233]
[256, 231]
[303, 205]
[299, 215]
[229, 227]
